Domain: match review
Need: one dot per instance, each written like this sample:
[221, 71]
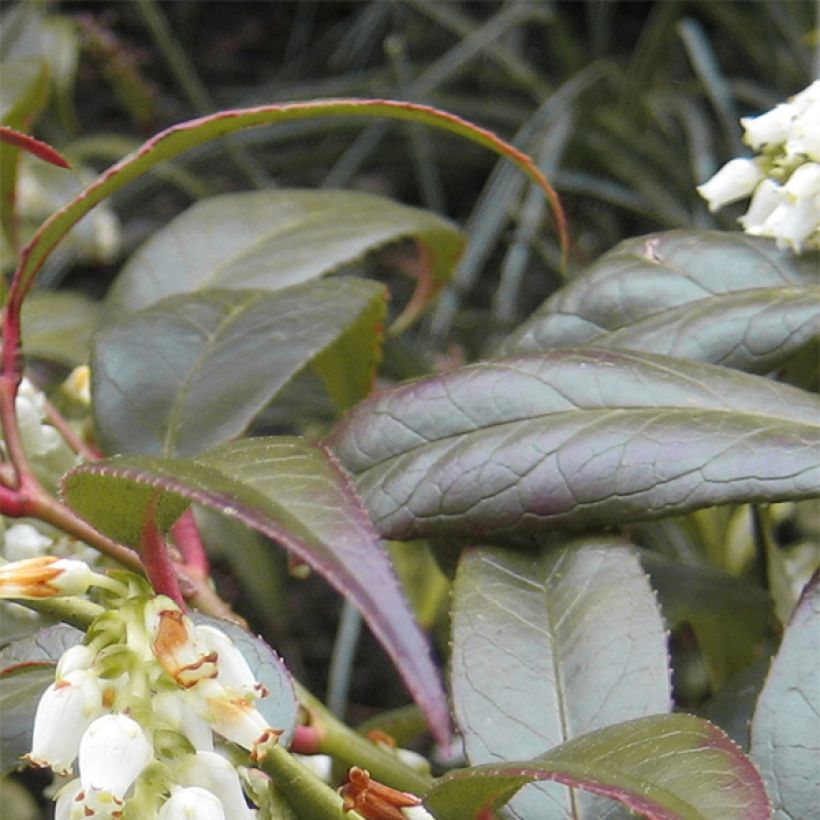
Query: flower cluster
[142, 711]
[783, 180]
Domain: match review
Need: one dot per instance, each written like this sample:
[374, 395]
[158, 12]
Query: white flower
[233, 671]
[792, 224]
[192, 803]
[771, 128]
[113, 752]
[75, 658]
[212, 772]
[232, 717]
[25, 541]
[735, 180]
[69, 803]
[48, 577]
[765, 199]
[804, 182]
[64, 713]
[320, 765]
[177, 712]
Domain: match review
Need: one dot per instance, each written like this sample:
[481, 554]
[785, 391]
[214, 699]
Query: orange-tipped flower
[45, 577]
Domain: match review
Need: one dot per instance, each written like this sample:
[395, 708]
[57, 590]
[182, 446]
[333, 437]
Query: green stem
[307, 794]
[345, 744]
[75, 611]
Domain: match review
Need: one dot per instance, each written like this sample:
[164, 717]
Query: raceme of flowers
[783, 180]
[141, 711]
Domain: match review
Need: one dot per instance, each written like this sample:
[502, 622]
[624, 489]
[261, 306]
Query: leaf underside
[294, 493]
[524, 629]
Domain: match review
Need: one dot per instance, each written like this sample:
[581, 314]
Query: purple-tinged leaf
[293, 492]
[577, 438]
[673, 274]
[786, 722]
[665, 767]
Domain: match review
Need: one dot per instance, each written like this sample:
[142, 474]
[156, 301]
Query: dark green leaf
[786, 723]
[194, 370]
[550, 647]
[679, 272]
[26, 670]
[280, 706]
[292, 492]
[668, 767]
[578, 438]
[272, 239]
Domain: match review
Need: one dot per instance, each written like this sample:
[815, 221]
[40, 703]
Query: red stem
[158, 565]
[187, 538]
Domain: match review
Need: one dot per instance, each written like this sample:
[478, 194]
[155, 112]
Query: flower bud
[64, 713]
[192, 803]
[805, 181]
[113, 752]
[44, 577]
[176, 711]
[212, 772]
[767, 196]
[735, 180]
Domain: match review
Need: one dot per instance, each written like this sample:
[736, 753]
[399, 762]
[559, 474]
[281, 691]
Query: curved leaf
[292, 492]
[786, 723]
[667, 767]
[549, 647]
[179, 138]
[577, 438]
[755, 330]
[194, 370]
[648, 275]
[272, 239]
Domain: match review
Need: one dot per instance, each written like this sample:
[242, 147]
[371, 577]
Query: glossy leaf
[548, 647]
[271, 239]
[756, 331]
[577, 438]
[294, 493]
[786, 723]
[679, 272]
[194, 370]
[666, 767]
[57, 326]
[26, 670]
[280, 706]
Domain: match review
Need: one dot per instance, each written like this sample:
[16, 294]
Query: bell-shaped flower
[192, 803]
[792, 224]
[178, 714]
[75, 657]
[45, 577]
[69, 801]
[212, 772]
[804, 182]
[735, 180]
[113, 752]
[232, 717]
[64, 713]
[176, 644]
[233, 671]
[767, 196]
[771, 128]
